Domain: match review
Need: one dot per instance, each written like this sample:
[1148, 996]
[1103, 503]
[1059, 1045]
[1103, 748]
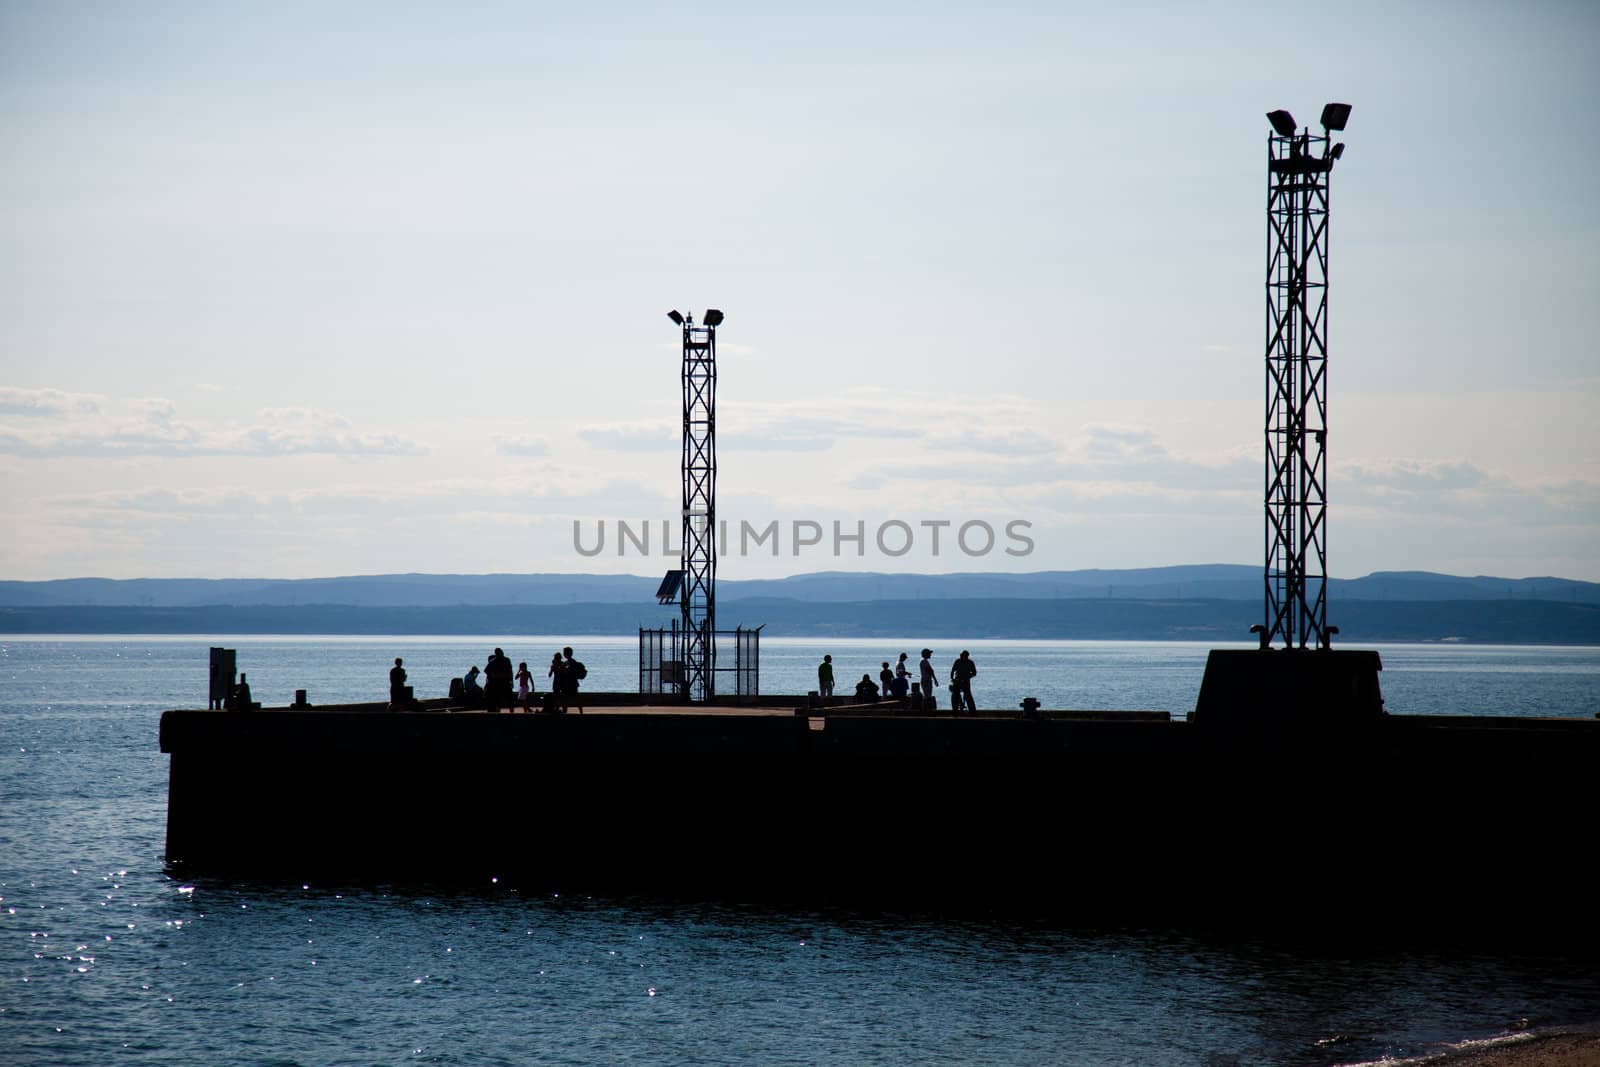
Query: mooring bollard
[1030, 707]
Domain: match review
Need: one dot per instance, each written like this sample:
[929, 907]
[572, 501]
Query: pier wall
[1146, 819]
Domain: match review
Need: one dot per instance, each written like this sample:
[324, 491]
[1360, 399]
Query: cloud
[1116, 455]
[280, 441]
[1121, 444]
[298, 416]
[149, 426]
[871, 413]
[521, 445]
[633, 436]
[765, 432]
[549, 493]
[1001, 442]
[1461, 491]
[1416, 475]
[156, 409]
[46, 403]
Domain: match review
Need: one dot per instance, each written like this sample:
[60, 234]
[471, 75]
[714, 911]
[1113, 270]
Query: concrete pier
[1131, 815]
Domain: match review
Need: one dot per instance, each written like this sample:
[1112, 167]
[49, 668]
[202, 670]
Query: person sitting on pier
[866, 690]
[397, 685]
[239, 699]
[902, 678]
[471, 690]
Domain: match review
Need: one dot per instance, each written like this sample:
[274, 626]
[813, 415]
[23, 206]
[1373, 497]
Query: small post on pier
[224, 661]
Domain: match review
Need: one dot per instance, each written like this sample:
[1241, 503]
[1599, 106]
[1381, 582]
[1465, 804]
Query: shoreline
[1566, 1047]
[1494, 621]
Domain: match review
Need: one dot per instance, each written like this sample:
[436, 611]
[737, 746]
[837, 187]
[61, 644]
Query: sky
[307, 289]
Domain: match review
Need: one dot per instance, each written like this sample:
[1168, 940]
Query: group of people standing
[495, 690]
[895, 683]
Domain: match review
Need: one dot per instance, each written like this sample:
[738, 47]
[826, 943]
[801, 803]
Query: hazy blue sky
[300, 289]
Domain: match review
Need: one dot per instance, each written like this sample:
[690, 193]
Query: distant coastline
[1466, 621]
[1198, 602]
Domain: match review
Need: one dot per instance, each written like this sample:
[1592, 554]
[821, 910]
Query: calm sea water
[104, 959]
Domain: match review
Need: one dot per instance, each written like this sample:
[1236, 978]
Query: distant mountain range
[1218, 581]
[1215, 602]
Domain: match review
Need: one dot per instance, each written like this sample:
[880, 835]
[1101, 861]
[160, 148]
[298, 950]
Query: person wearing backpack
[570, 677]
[962, 672]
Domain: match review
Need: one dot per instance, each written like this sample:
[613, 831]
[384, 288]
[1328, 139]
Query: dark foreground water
[104, 959]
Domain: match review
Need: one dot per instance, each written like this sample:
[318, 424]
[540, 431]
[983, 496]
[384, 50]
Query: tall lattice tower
[697, 594]
[1299, 165]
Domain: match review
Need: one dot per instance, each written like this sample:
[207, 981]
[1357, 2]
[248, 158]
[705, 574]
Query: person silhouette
[558, 683]
[497, 675]
[573, 671]
[930, 677]
[397, 684]
[524, 686]
[241, 695]
[961, 675]
[902, 677]
[825, 677]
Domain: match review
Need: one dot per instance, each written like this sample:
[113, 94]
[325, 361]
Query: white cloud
[149, 426]
[547, 493]
[521, 445]
[1411, 475]
[1099, 454]
[650, 436]
[46, 403]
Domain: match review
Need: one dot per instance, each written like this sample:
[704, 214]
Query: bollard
[300, 699]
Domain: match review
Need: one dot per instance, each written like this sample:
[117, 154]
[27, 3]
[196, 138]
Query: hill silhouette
[1190, 582]
[1215, 602]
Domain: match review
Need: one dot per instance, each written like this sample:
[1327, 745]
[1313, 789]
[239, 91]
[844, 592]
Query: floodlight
[667, 592]
[1334, 116]
[713, 317]
[1283, 122]
[675, 317]
[1338, 150]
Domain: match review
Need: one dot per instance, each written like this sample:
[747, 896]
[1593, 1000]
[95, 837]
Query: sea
[107, 957]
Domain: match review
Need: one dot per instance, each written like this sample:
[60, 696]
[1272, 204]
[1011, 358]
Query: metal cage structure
[663, 653]
[1299, 166]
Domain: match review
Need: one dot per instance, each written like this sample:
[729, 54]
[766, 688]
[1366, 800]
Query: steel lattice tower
[1299, 165]
[697, 598]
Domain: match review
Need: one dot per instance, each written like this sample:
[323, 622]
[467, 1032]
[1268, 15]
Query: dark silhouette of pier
[1370, 822]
